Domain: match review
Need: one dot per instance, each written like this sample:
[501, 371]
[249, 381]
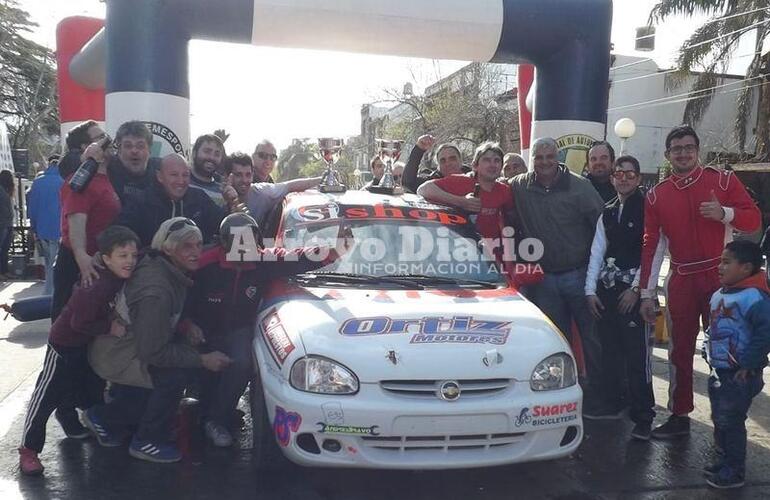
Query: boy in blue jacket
[737, 349]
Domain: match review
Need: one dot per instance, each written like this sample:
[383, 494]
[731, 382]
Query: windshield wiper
[424, 279]
[359, 279]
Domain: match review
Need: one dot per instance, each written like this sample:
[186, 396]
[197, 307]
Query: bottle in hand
[83, 175]
[476, 194]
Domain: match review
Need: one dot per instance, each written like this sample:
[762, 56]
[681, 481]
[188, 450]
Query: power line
[711, 21]
[649, 75]
[745, 28]
[700, 96]
[676, 97]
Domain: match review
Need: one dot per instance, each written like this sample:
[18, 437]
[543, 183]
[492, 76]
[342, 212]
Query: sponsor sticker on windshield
[422, 213]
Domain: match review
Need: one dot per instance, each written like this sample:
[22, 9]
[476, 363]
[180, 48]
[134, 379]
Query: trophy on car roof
[389, 151]
[330, 148]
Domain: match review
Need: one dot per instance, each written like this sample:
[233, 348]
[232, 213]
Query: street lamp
[625, 128]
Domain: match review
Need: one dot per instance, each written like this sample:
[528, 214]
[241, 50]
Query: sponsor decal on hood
[432, 330]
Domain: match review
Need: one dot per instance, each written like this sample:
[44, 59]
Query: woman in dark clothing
[7, 212]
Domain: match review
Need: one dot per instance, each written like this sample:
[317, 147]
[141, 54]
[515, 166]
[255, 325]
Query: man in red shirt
[492, 203]
[84, 215]
[692, 213]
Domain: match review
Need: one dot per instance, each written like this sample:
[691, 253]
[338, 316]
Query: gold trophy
[330, 148]
[389, 152]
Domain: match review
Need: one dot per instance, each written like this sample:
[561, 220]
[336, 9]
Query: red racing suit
[672, 221]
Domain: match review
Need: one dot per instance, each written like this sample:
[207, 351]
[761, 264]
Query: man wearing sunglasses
[264, 159]
[692, 213]
[612, 293]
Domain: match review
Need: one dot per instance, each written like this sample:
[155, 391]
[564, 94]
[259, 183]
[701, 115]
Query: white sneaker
[218, 435]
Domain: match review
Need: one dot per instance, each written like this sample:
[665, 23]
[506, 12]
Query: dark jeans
[561, 296]
[152, 410]
[6, 236]
[730, 403]
[65, 274]
[222, 391]
[625, 354]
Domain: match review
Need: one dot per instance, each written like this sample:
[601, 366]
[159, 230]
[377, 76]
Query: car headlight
[322, 376]
[554, 372]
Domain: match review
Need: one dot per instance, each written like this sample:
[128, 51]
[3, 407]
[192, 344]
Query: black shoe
[726, 479]
[675, 426]
[642, 431]
[601, 413]
[713, 469]
[68, 419]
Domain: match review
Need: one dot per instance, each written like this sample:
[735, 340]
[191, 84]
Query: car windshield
[416, 253]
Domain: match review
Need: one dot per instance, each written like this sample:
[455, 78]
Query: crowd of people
[131, 255]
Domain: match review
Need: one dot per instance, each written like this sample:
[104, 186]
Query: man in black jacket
[612, 293]
[169, 197]
[131, 170]
[448, 157]
[224, 303]
[601, 157]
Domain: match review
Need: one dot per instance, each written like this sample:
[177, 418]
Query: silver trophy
[389, 152]
[330, 148]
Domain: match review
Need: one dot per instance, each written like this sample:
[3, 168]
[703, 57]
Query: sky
[280, 94]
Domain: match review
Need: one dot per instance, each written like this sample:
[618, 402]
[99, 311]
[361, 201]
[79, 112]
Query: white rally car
[410, 352]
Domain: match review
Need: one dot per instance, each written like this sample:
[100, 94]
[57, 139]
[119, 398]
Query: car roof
[361, 198]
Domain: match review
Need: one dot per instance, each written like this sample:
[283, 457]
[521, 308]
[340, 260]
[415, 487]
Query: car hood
[409, 334]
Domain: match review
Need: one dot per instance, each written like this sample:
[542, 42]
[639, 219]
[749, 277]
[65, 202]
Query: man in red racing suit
[692, 213]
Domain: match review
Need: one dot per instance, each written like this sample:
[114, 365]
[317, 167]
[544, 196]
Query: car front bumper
[377, 429]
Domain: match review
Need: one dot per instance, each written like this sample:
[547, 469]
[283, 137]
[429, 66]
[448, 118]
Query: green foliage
[302, 159]
[710, 50]
[28, 101]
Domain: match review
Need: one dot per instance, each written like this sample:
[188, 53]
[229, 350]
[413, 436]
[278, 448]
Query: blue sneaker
[163, 453]
[103, 436]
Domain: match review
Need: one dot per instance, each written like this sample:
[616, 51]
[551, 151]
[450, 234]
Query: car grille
[442, 443]
[428, 388]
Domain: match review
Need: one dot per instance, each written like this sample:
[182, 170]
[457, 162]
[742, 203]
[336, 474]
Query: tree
[473, 105]
[302, 159]
[28, 101]
[712, 48]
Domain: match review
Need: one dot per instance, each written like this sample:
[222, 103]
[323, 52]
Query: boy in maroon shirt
[66, 379]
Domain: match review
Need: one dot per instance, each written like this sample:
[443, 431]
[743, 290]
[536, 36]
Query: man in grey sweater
[560, 209]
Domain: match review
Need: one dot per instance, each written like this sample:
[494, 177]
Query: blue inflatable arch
[145, 46]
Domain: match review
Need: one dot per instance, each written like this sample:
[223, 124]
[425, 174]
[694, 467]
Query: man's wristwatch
[635, 289]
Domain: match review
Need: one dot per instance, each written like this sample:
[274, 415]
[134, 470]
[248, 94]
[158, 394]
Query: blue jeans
[561, 296]
[730, 403]
[48, 250]
[151, 410]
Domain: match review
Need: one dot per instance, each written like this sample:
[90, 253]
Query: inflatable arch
[140, 58]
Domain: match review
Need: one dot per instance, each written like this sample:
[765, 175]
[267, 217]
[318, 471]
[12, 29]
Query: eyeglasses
[690, 148]
[397, 177]
[176, 226]
[266, 156]
[628, 174]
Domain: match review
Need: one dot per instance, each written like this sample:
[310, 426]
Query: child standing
[738, 345]
[66, 380]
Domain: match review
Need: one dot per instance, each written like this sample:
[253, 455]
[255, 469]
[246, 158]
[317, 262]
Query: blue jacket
[43, 205]
[739, 331]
